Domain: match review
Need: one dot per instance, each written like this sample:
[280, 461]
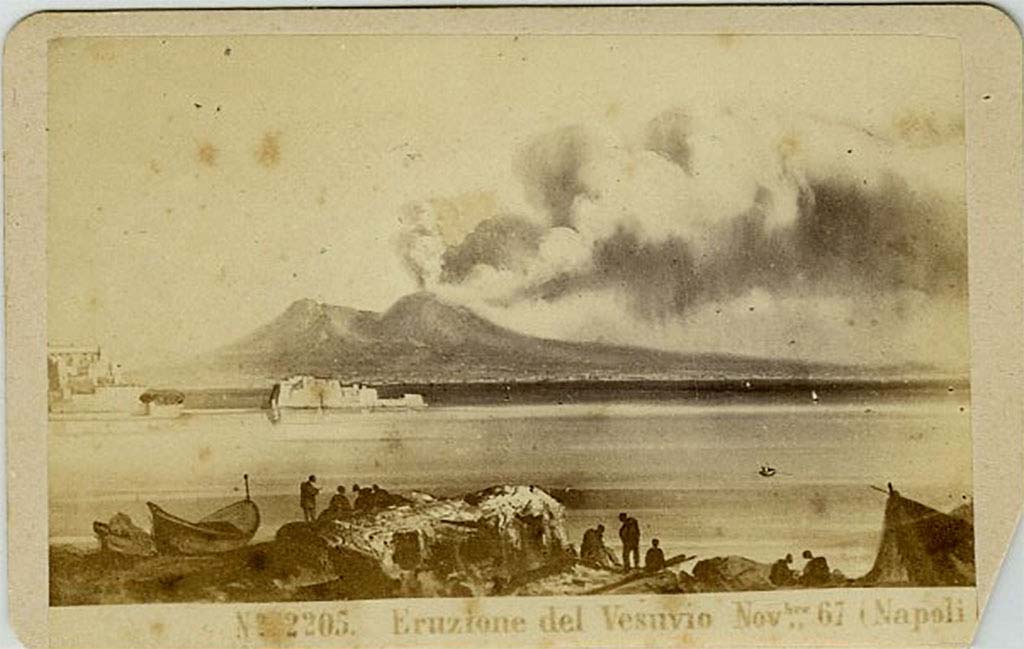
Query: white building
[83, 379]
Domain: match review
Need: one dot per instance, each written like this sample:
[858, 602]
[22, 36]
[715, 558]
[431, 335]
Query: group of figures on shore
[594, 553]
[815, 572]
[365, 499]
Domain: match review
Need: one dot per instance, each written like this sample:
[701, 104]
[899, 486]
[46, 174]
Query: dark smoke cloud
[845, 238]
[892, 238]
[659, 277]
[502, 242]
[550, 169]
[667, 136]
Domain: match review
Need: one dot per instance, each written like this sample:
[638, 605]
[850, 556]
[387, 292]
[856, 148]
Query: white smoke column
[419, 244]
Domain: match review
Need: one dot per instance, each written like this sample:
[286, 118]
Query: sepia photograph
[363, 316]
[512, 327]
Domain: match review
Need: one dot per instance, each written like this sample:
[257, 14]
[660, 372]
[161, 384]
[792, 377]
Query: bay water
[688, 472]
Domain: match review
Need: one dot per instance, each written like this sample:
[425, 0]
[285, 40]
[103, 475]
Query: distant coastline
[710, 391]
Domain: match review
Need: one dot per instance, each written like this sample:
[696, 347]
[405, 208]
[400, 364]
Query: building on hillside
[84, 379]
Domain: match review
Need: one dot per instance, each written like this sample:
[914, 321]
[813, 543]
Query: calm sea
[687, 470]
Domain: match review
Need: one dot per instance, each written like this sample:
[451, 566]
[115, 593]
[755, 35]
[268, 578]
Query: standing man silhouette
[307, 498]
[630, 535]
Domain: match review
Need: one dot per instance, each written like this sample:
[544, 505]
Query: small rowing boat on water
[226, 529]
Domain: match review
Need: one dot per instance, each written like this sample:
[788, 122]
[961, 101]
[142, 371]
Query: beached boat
[121, 536]
[226, 529]
[163, 404]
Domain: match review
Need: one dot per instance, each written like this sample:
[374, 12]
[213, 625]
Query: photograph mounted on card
[512, 327]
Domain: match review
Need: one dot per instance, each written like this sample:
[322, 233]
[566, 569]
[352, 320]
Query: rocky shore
[483, 543]
[506, 540]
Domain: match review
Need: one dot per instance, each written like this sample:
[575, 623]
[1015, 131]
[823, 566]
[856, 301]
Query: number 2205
[292, 624]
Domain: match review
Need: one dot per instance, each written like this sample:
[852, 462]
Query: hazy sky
[199, 185]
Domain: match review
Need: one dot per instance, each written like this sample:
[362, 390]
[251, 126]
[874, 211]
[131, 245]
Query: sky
[780, 196]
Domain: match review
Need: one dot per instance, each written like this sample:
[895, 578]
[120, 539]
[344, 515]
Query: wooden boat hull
[226, 529]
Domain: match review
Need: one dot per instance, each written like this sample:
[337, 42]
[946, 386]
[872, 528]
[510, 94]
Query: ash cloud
[701, 215]
[667, 136]
[502, 242]
[550, 168]
[885, 239]
[844, 239]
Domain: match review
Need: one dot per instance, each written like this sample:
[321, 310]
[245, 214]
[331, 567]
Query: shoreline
[512, 540]
[704, 522]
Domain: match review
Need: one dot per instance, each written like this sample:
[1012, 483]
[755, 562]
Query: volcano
[423, 338]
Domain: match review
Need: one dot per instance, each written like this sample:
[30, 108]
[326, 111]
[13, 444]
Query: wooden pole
[246, 478]
[679, 558]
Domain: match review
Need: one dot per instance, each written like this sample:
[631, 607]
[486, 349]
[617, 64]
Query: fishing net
[922, 546]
